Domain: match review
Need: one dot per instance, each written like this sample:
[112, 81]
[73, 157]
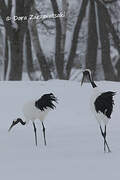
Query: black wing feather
[104, 103]
[46, 101]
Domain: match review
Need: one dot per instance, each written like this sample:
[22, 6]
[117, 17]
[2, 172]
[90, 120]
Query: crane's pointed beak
[10, 128]
[13, 124]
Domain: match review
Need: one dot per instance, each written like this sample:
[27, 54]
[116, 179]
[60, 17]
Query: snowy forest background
[87, 36]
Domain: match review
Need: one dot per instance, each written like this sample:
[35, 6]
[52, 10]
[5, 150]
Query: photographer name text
[35, 17]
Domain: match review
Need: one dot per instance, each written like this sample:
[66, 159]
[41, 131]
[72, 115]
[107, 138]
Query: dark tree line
[23, 36]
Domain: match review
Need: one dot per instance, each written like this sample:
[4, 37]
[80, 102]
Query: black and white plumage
[104, 103]
[37, 109]
[101, 105]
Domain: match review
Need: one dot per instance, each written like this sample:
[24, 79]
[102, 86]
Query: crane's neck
[92, 82]
[19, 120]
[22, 122]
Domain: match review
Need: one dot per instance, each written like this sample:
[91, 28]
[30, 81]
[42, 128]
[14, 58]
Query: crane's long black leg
[105, 142]
[104, 136]
[104, 139]
[35, 133]
[44, 134]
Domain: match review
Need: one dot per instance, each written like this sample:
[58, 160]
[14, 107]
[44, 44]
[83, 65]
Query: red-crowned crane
[101, 105]
[36, 109]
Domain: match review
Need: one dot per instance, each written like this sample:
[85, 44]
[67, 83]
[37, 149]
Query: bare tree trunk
[82, 13]
[105, 45]
[16, 46]
[92, 46]
[64, 29]
[6, 57]
[114, 35]
[58, 58]
[39, 52]
[2, 52]
[15, 32]
[29, 58]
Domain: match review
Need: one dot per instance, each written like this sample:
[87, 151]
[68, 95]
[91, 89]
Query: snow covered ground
[74, 144]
